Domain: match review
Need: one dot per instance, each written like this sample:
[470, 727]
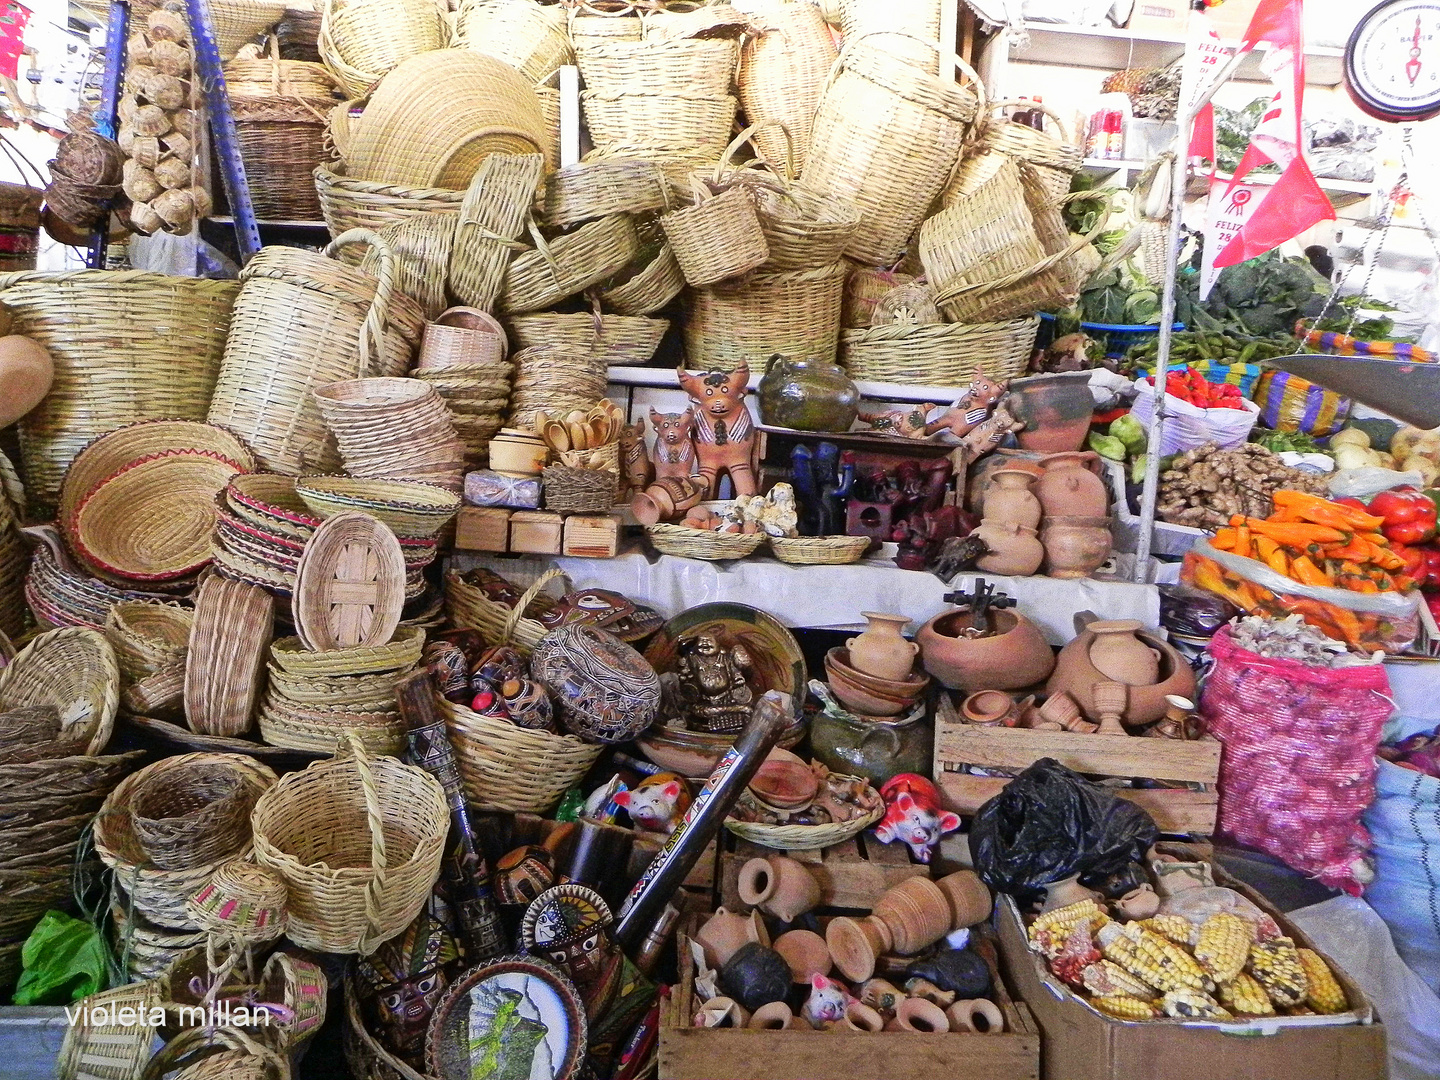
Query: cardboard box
[592, 536]
[1080, 1043]
[851, 875]
[536, 532]
[1160, 19]
[482, 528]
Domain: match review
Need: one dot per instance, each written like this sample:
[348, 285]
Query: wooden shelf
[664, 378]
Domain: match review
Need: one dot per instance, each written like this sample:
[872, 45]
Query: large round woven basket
[515, 770]
[651, 281]
[556, 379]
[60, 594]
[531, 37]
[350, 203]
[589, 190]
[127, 345]
[618, 339]
[939, 354]
[795, 313]
[360, 40]
[358, 841]
[74, 670]
[700, 124]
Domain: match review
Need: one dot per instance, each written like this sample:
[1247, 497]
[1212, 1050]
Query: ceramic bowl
[858, 699]
[515, 456]
[911, 687]
[784, 782]
[694, 754]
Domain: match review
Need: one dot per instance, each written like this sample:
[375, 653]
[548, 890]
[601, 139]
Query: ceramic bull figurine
[724, 432]
[674, 443]
[635, 467]
[913, 815]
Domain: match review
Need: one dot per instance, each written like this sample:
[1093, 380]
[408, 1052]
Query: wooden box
[592, 536]
[852, 875]
[1175, 810]
[536, 532]
[482, 528]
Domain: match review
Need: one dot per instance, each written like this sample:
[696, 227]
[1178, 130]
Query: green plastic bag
[64, 959]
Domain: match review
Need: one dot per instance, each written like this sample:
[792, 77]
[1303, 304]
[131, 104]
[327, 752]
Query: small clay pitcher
[976, 1015]
[778, 886]
[969, 898]
[989, 708]
[1139, 903]
[916, 913]
[806, 953]
[1075, 547]
[1065, 892]
[1068, 489]
[1118, 654]
[882, 651]
[860, 1017]
[724, 933]
[917, 1014]
[1014, 550]
[1009, 500]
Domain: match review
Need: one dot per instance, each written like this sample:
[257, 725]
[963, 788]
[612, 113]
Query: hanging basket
[718, 237]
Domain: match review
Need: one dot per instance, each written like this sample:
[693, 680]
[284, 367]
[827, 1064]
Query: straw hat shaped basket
[304, 320]
[531, 37]
[359, 842]
[360, 40]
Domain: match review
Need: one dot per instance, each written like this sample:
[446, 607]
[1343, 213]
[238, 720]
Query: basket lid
[350, 586]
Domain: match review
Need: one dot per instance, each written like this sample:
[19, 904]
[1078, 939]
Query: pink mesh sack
[1298, 765]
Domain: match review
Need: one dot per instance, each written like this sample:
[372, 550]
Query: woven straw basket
[802, 837]
[148, 637]
[74, 670]
[939, 354]
[361, 40]
[649, 288]
[919, 19]
[865, 287]
[688, 543]
[782, 70]
[1054, 160]
[681, 67]
[596, 189]
[617, 339]
[126, 346]
[235, 22]
[493, 213]
[191, 813]
[555, 379]
[359, 842]
[348, 203]
[112, 1051]
[818, 550]
[515, 770]
[421, 246]
[796, 314]
[569, 263]
[718, 237]
[469, 608]
[700, 125]
[531, 37]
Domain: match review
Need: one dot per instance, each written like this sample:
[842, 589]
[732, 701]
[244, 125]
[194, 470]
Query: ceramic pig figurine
[827, 1001]
[913, 815]
[657, 803]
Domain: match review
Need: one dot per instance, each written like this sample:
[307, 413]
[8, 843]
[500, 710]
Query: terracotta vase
[806, 953]
[882, 651]
[1118, 654]
[1061, 709]
[778, 886]
[916, 912]
[1065, 892]
[1055, 409]
[1075, 547]
[977, 1015]
[989, 708]
[1014, 550]
[1068, 489]
[1075, 674]
[1015, 655]
[969, 898]
[1009, 499]
[724, 932]
[860, 1017]
[1139, 903]
[917, 1014]
[775, 1016]
[1110, 699]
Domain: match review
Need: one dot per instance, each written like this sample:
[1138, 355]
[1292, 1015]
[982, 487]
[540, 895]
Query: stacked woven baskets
[396, 429]
[463, 355]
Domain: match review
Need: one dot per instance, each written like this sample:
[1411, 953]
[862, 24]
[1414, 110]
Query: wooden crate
[482, 528]
[1175, 810]
[592, 536]
[852, 875]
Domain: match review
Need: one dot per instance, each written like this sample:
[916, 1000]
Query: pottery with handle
[1075, 547]
[725, 932]
[1010, 500]
[779, 886]
[1015, 551]
[978, 1015]
[1067, 488]
[882, 650]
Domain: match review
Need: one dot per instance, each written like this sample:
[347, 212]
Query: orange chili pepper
[1307, 573]
[1296, 535]
[1224, 540]
[1324, 512]
[1242, 542]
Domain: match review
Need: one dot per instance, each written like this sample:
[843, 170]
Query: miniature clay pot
[1055, 409]
[1076, 674]
[722, 1012]
[978, 1015]
[1118, 654]
[917, 1014]
[1139, 903]
[1015, 655]
[807, 395]
[755, 976]
[916, 912]
[1065, 892]
[860, 1017]
[969, 898]
[875, 749]
[725, 932]
[1068, 489]
[779, 886]
[776, 1016]
[882, 651]
[989, 708]
[856, 943]
[882, 996]
[667, 497]
[1075, 547]
[1014, 550]
[1009, 499]
[1109, 698]
[806, 953]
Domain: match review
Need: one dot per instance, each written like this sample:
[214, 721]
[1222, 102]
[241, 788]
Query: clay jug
[806, 953]
[916, 913]
[807, 395]
[778, 886]
[881, 650]
[1009, 499]
[1068, 489]
[1074, 547]
[1118, 654]
[1139, 903]
[724, 933]
[1065, 892]
[1014, 550]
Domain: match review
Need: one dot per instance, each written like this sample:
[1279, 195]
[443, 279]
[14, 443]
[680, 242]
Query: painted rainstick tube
[466, 873]
[734, 771]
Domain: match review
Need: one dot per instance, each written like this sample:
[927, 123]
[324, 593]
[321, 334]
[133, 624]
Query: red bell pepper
[1431, 554]
[1409, 515]
[1416, 566]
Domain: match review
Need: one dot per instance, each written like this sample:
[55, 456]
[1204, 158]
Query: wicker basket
[591, 25]
[818, 550]
[569, 263]
[241, 899]
[368, 693]
[865, 287]
[531, 37]
[348, 203]
[112, 1051]
[463, 336]
[686, 20]
[515, 770]
[393, 428]
[148, 637]
[236, 22]
[126, 346]
[14, 562]
[917, 18]
[402, 651]
[302, 321]
[410, 509]
[269, 501]
[699, 124]
[225, 670]
[691, 543]
[282, 142]
[579, 491]
[496, 207]
[74, 670]
[597, 189]
[685, 66]
[1055, 160]
[361, 40]
[554, 379]
[912, 126]
[617, 339]
[549, 97]
[359, 842]
[146, 950]
[940, 354]
[911, 304]
[59, 595]
[783, 68]
[803, 231]
[324, 728]
[649, 288]
[803, 837]
[468, 608]
[421, 246]
[796, 314]
[195, 813]
[718, 237]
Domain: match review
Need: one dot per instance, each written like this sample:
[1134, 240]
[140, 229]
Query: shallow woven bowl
[412, 509]
[403, 650]
[269, 501]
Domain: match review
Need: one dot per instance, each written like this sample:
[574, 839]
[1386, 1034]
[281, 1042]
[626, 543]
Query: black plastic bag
[1050, 823]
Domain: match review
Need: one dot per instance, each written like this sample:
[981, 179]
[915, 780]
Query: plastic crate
[1118, 337]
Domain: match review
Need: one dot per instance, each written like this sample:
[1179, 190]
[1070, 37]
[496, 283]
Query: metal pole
[116, 27]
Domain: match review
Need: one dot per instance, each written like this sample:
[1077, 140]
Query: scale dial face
[1392, 61]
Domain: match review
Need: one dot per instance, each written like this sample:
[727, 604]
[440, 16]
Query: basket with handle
[305, 320]
[515, 770]
[348, 203]
[783, 66]
[705, 67]
[493, 213]
[699, 123]
[191, 814]
[358, 841]
[1055, 160]
[361, 40]
[939, 354]
[648, 288]
[569, 263]
[718, 237]
[110, 1051]
[421, 246]
[469, 608]
[589, 190]
[531, 37]
[795, 313]
[618, 339]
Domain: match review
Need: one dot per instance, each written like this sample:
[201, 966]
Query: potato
[1418, 463]
[1384, 460]
[1404, 440]
[1351, 457]
[1350, 437]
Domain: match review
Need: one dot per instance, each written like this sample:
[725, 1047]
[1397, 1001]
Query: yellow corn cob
[1125, 1007]
[1174, 928]
[1223, 946]
[1108, 977]
[1276, 966]
[1246, 996]
[1061, 921]
[1323, 993]
[1151, 958]
[1192, 1005]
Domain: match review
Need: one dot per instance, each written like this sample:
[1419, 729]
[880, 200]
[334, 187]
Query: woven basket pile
[361, 40]
[463, 355]
[261, 529]
[556, 379]
[531, 37]
[14, 560]
[393, 428]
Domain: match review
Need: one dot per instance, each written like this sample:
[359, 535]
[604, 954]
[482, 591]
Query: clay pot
[1009, 499]
[1075, 546]
[977, 1015]
[806, 953]
[1109, 698]
[911, 686]
[667, 497]
[1068, 489]
[775, 1016]
[1076, 674]
[1014, 550]
[784, 781]
[604, 690]
[1016, 655]
[916, 912]
[882, 650]
[1118, 654]
[969, 898]
[1065, 892]
[856, 943]
[722, 1012]
[863, 700]
[1139, 903]
[874, 749]
[1055, 409]
[755, 975]
[26, 373]
[807, 395]
[917, 1014]
[989, 708]
[860, 1017]
[1061, 709]
[724, 933]
[779, 886]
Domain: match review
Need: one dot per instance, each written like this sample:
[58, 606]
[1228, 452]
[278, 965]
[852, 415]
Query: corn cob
[1276, 966]
[1192, 1005]
[1107, 978]
[1174, 928]
[1151, 958]
[1246, 996]
[1323, 993]
[1223, 946]
[1060, 921]
[1125, 1007]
